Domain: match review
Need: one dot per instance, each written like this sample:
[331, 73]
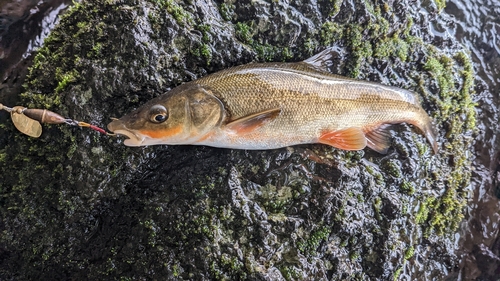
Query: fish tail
[425, 125]
[430, 133]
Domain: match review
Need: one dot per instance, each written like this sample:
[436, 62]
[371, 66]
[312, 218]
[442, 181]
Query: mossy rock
[77, 205]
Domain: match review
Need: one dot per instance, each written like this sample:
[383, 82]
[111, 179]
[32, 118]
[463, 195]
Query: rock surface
[76, 205]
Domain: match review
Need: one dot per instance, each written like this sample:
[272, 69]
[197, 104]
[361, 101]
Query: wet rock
[488, 261]
[23, 26]
[78, 205]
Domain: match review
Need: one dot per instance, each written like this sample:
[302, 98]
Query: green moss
[310, 46]
[203, 51]
[360, 48]
[397, 273]
[392, 46]
[354, 255]
[440, 4]
[440, 67]
[378, 177]
[377, 206]
[64, 79]
[182, 17]
[379, 43]
[409, 25]
[335, 7]
[467, 73]
[290, 273]
[265, 52]
[409, 253]
[331, 32]
[228, 268]
[360, 198]
[176, 270]
[243, 33]
[154, 20]
[422, 147]
[96, 50]
[233, 263]
[445, 212]
[3, 155]
[424, 210]
[393, 168]
[287, 53]
[407, 187]
[380, 28]
[205, 32]
[226, 11]
[317, 236]
[206, 52]
[276, 200]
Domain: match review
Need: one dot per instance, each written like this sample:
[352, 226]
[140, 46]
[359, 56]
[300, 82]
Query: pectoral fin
[249, 123]
[347, 139]
[378, 137]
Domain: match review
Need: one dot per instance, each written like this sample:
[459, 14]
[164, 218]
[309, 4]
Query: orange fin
[249, 123]
[378, 137]
[347, 139]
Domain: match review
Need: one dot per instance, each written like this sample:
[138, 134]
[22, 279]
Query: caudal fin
[425, 125]
[430, 133]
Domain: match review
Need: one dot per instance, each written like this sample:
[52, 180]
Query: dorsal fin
[323, 60]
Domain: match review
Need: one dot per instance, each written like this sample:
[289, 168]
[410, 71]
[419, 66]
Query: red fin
[252, 122]
[347, 139]
[378, 137]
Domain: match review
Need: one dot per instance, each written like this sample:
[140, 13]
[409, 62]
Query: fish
[259, 106]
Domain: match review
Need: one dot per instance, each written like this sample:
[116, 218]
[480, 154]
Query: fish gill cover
[79, 206]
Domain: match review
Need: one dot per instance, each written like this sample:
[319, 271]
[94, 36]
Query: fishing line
[28, 120]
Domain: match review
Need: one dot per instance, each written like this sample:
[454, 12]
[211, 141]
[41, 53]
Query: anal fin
[347, 139]
[378, 137]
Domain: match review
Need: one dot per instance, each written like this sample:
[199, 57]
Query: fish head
[184, 115]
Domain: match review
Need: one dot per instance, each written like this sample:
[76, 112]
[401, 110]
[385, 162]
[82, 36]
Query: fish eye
[158, 114]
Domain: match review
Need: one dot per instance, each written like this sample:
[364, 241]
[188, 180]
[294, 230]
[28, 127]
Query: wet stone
[199, 213]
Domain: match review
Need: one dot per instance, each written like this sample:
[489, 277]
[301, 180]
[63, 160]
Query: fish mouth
[133, 138]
